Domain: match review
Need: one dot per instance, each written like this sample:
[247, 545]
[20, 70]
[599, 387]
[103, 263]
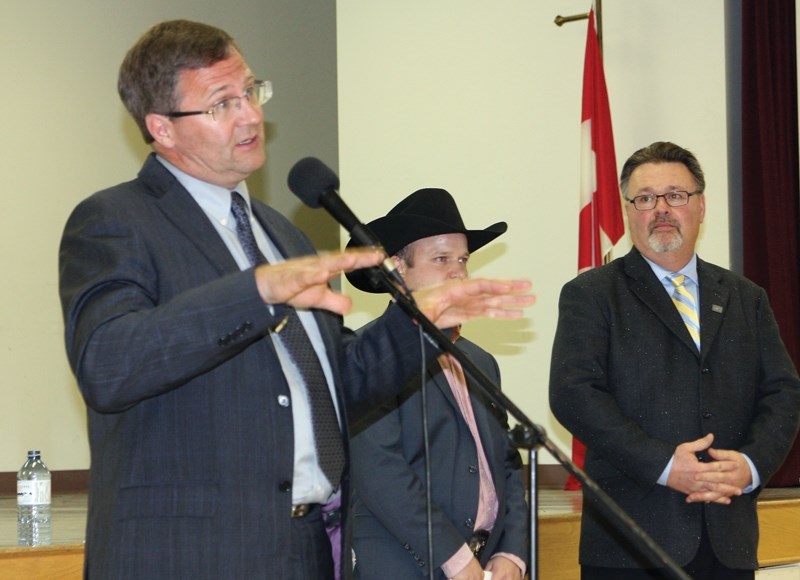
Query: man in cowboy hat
[478, 511]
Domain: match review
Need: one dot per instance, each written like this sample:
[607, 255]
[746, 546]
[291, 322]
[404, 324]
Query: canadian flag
[601, 224]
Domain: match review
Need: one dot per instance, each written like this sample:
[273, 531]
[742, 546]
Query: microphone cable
[426, 449]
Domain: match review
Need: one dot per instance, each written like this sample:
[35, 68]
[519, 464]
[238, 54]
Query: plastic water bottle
[33, 502]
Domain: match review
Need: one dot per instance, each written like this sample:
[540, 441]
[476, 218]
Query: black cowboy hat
[425, 213]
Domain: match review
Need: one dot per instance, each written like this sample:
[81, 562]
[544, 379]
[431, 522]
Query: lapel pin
[717, 308]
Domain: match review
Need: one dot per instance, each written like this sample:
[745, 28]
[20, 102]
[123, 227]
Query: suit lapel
[282, 234]
[649, 289]
[436, 372]
[713, 303]
[286, 238]
[276, 233]
[480, 408]
[477, 400]
[186, 215]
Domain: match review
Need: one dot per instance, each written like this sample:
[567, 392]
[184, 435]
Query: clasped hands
[303, 283]
[714, 481]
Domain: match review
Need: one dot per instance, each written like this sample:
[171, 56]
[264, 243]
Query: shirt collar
[689, 270]
[214, 199]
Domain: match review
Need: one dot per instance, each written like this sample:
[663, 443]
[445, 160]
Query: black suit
[627, 380]
[190, 420]
[390, 531]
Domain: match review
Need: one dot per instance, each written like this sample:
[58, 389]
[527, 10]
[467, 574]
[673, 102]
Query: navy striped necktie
[327, 435]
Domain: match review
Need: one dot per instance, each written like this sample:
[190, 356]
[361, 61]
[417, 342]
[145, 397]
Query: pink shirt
[487, 497]
[487, 500]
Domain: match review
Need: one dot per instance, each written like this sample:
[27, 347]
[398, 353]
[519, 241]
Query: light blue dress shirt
[309, 483]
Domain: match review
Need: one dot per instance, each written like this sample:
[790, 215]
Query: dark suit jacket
[390, 516]
[190, 421]
[628, 381]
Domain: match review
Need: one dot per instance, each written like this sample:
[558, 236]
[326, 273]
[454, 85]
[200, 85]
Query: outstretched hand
[457, 301]
[303, 282]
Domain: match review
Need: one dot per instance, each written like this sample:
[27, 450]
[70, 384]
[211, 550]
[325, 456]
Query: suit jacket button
[707, 414]
[285, 486]
[470, 523]
[283, 400]
[473, 469]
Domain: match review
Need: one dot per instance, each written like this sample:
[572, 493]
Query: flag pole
[561, 20]
[598, 14]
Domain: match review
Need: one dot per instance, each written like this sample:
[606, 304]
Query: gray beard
[660, 245]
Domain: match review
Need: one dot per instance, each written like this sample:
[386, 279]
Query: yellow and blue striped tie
[686, 305]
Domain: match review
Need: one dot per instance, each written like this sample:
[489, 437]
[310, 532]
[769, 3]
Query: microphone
[317, 186]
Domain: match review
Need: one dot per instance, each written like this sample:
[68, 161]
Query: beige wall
[484, 99]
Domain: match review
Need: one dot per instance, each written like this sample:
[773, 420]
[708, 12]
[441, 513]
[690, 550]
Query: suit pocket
[166, 500]
[166, 531]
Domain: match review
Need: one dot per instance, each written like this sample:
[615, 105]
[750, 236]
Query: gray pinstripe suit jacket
[189, 417]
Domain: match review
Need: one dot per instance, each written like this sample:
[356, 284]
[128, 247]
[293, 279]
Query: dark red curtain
[770, 190]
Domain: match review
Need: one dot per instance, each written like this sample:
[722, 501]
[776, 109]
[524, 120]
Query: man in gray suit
[682, 390]
[207, 344]
[478, 515]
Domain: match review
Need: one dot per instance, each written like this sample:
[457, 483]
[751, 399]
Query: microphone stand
[528, 435]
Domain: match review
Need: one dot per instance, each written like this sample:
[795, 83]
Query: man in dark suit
[477, 506]
[687, 404]
[209, 375]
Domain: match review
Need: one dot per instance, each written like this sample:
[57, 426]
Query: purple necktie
[327, 436]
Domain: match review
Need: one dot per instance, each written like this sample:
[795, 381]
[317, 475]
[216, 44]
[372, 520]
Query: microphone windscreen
[310, 178]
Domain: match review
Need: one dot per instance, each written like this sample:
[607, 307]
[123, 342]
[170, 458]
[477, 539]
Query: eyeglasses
[256, 94]
[675, 198]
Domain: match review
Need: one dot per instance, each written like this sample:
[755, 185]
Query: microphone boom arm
[315, 184]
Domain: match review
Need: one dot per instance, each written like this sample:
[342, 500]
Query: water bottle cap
[34, 453]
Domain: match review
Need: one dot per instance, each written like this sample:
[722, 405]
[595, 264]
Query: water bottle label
[35, 492]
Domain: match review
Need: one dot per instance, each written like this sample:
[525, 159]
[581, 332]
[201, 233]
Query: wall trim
[77, 481]
[72, 481]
